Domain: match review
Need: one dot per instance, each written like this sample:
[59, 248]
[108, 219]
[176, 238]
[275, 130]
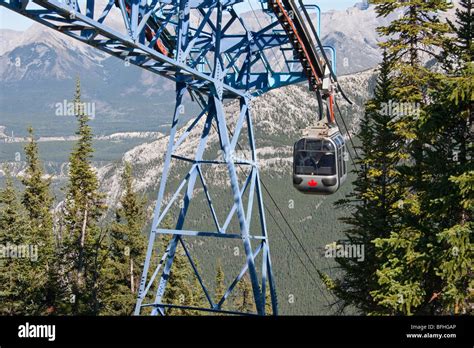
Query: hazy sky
[12, 20]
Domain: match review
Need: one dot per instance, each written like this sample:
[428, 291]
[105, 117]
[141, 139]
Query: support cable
[261, 27]
[349, 136]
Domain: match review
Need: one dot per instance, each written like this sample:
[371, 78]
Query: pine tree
[84, 247]
[127, 251]
[219, 285]
[268, 302]
[408, 278]
[450, 189]
[374, 200]
[450, 195]
[244, 302]
[463, 47]
[198, 297]
[413, 39]
[183, 287]
[180, 287]
[38, 201]
[16, 272]
[36, 197]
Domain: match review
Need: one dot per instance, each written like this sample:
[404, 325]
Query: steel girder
[147, 25]
[213, 113]
[155, 278]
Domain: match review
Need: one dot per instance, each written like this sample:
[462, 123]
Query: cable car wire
[261, 27]
[297, 239]
[310, 274]
[348, 134]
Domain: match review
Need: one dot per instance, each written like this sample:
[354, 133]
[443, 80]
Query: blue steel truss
[207, 48]
[245, 64]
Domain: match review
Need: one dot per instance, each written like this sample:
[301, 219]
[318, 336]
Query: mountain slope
[39, 72]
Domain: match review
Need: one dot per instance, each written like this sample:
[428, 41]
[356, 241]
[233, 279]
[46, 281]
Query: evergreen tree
[180, 287]
[244, 302]
[16, 272]
[462, 27]
[413, 39]
[84, 247]
[445, 200]
[408, 278]
[429, 251]
[127, 251]
[36, 197]
[451, 189]
[374, 200]
[183, 287]
[454, 262]
[38, 202]
[219, 285]
[268, 302]
[198, 297]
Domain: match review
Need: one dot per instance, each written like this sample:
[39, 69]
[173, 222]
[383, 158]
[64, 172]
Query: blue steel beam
[147, 22]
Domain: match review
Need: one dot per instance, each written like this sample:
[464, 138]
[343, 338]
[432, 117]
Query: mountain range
[38, 68]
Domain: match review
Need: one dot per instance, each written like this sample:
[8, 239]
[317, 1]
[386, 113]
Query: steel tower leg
[212, 115]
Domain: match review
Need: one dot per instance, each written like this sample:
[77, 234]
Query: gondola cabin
[320, 160]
